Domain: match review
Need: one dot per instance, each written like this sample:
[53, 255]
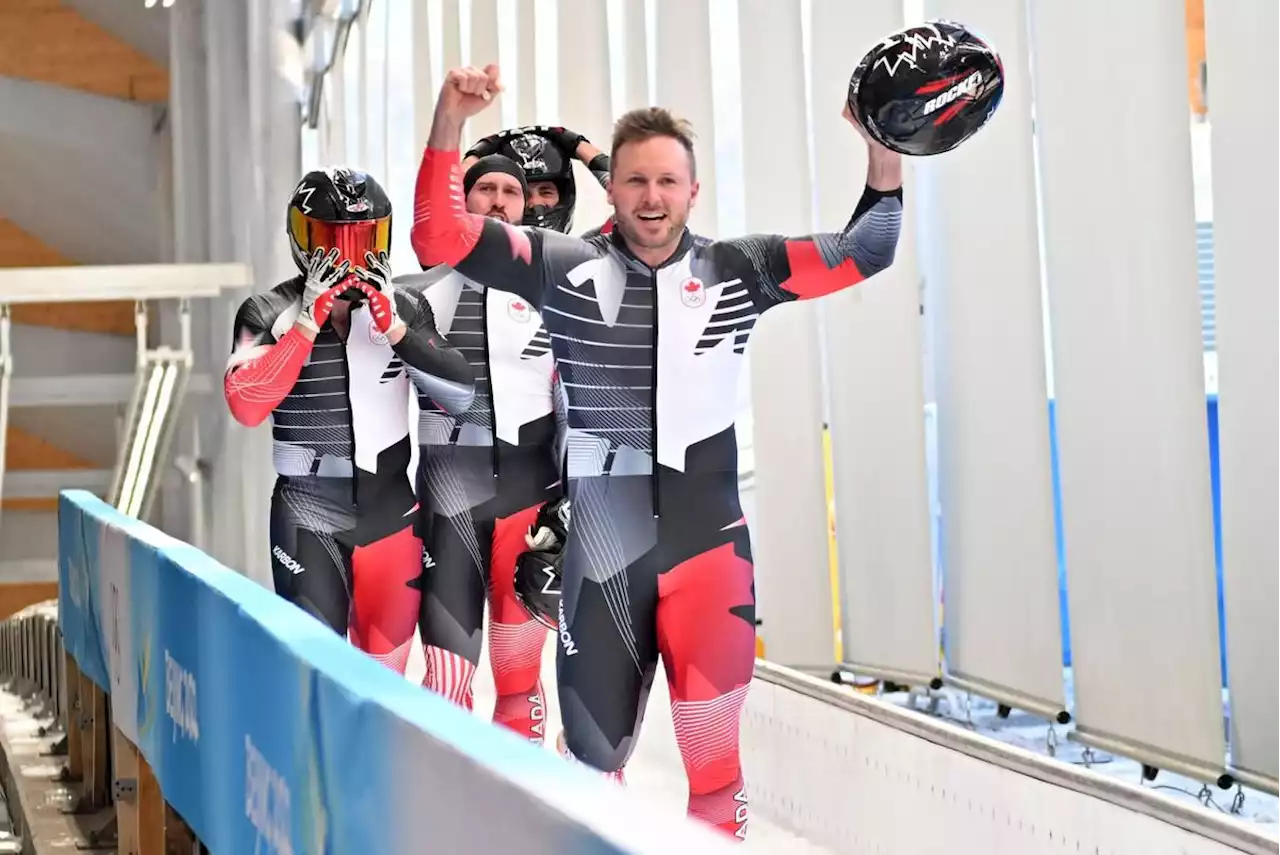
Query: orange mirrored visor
[352, 240]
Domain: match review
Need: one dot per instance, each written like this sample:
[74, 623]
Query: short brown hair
[648, 122]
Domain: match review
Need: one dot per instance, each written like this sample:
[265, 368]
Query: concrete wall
[235, 154]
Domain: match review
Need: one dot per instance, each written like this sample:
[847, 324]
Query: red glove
[375, 283]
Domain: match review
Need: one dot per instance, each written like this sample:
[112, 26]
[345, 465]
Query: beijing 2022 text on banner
[270, 733]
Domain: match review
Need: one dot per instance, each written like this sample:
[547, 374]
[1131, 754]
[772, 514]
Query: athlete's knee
[332, 618]
[596, 753]
[588, 745]
[515, 652]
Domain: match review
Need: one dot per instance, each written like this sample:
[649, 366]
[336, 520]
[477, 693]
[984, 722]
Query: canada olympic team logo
[376, 335]
[518, 310]
[692, 293]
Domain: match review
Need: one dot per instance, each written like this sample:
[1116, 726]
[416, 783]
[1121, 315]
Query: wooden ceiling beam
[19, 248]
[44, 41]
[25, 452]
[1195, 55]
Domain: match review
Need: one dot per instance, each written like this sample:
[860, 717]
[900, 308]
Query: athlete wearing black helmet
[328, 356]
[546, 154]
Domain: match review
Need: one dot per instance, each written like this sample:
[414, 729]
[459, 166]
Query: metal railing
[100, 768]
[161, 373]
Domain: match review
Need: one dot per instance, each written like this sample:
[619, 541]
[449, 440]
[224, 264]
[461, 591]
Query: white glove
[376, 285]
[323, 277]
[545, 539]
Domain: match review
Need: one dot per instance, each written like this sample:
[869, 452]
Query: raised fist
[467, 91]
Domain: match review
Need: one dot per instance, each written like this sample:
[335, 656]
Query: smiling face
[544, 193]
[652, 190]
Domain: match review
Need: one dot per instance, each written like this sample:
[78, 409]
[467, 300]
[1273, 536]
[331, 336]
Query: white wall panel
[483, 49]
[253, 155]
[526, 63]
[377, 59]
[683, 37]
[425, 85]
[348, 74]
[451, 54]
[1242, 67]
[584, 96]
[789, 529]
[410, 99]
[982, 295]
[1120, 255]
[635, 34]
[872, 339]
[451, 33]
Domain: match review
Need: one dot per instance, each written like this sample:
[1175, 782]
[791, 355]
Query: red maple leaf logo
[692, 285]
[518, 306]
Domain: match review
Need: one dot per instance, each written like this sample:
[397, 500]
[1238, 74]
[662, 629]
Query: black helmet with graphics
[338, 208]
[926, 89]
[539, 571]
[543, 160]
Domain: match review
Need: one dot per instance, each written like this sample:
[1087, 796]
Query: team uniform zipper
[654, 478]
[351, 421]
[488, 371]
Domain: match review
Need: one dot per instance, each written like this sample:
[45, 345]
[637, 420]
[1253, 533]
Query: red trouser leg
[384, 607]
[515, 639]
[706, 633]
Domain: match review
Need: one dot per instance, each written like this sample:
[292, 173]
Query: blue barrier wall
[269, 733]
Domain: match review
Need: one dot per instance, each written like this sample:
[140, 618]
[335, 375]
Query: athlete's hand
[565, 140]
[375, 283]
[551, 526]
[884, 165]
[326, 280]
[543, 540]
[467, 91]
[849, 117]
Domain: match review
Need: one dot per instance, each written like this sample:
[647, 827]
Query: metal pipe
[184, 329]
[1010, 696]
[1214, 826]
[6, 371]
[192, 469]
[75, 283]
[164, 419]
[140, 330]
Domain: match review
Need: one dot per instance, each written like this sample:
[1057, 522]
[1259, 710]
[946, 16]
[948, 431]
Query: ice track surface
[655, 772]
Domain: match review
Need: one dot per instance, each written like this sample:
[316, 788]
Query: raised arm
[799, 268]
[489, 252]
